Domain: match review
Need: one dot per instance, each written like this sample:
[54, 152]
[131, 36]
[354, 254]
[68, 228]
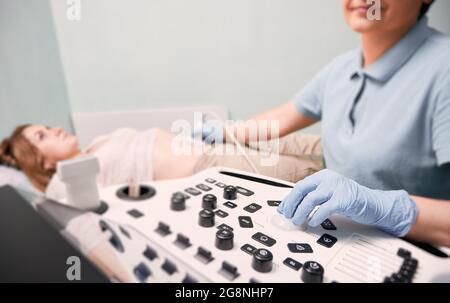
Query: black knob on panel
[178, 202]
[206, 218]
[230, 192]
[312, 272]
[224, 239]
[262, 260]
[209, 201]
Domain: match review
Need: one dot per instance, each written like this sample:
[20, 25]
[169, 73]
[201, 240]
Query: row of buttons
[142, 272]
[241, 190]
[407, 270]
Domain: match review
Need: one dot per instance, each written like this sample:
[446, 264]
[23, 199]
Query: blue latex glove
[211, 132]
[391, 211]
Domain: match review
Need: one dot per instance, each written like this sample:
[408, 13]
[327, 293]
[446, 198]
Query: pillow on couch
[16, 178]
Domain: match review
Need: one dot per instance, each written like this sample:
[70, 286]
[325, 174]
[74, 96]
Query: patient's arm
[287, 115]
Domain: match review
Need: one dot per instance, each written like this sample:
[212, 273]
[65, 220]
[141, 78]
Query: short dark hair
[424, 9]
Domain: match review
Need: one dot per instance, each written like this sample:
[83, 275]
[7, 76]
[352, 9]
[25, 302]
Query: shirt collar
[385, 67]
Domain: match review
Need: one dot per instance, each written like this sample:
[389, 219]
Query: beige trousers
[290, 158]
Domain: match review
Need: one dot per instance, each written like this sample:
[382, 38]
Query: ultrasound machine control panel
[222, 225]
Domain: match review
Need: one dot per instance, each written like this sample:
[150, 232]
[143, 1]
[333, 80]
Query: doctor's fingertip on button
[228, 156]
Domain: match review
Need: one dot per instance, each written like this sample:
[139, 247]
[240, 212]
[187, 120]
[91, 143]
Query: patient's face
[53, 143]
[395, 15]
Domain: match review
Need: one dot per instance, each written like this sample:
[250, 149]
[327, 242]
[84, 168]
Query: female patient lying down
[127, 155]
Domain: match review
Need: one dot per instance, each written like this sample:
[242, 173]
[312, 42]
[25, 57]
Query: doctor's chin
[217, 150]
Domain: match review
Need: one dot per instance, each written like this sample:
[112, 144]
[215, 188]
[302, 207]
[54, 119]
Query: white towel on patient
[125, 155]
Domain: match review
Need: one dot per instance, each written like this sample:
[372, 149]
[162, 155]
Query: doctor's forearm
[433, 222]
[287, 116]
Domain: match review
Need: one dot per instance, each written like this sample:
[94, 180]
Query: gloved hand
[212, 131]
[391, 211]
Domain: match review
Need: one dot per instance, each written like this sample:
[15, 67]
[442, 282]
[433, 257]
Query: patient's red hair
[16, 151]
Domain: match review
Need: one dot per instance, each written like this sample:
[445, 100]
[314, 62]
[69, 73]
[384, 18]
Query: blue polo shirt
[388, 126]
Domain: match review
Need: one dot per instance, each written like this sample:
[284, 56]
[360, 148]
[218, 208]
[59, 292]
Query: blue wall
[32, 84]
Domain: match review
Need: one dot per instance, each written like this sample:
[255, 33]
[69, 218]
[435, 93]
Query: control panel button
[193, 191]
[204, 255]
[135, 213]
[291, 263]
[230, 192]
[177, 203]
[229, 271]
[124, 232]
[114, 239]
[209, 201]
[221, 185]
[244, 191]
[328, 225]
[262, 260]
[398, 278]
[224, 239]
[142, 272]
[263, 239]
[245, 222]
[206, 218]
[300, 248]
[252, 208]
[327, 240]
[312, 272]
[150, 253]
[403, 253]
[410, 264]
[224, 226]
[221, 213]
[189, 279]
[209, 180]
[182, 241]
[230, 204]
[163, 229]
[248, 249]
[273, 203]
[179, 193]
[203, 187]
[169, 267]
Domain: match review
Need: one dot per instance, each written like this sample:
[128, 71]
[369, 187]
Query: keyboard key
[230, 204]
[203, 187]
[193, 191]
[182, 241]
[295, 265]
[327, 240]
[135, 213]
[273, 203]
[204, 255]
[142, 272]
[263, 239]
[245, 222]
[244, 191]
[169, 267]
[163, 229]
[252, 208]
[328, 225]
[248, 249]
[300, 248]
[221, 213]
[229, 271]
[150, 253]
